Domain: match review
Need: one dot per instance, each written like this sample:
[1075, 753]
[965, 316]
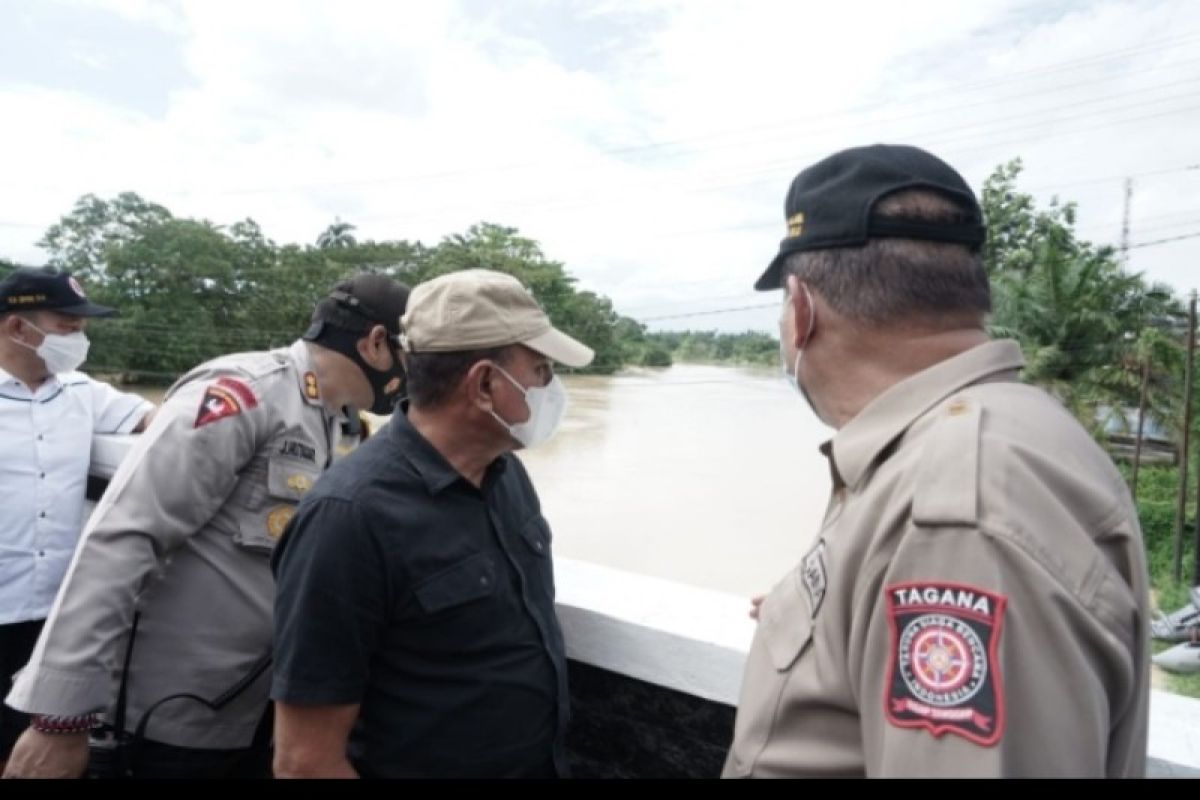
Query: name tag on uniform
[296, 449]
[814, 577]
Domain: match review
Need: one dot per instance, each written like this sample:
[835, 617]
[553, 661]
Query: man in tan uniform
[175, 557]
[976, 600]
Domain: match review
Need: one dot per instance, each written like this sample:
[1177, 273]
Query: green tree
[337, 235]
[1075, 311]
[176, 286]
[79, 240]
[584, 315]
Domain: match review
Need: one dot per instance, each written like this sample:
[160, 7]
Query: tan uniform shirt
[975, 603]
[182, 536]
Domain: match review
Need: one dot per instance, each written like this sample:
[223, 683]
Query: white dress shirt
[45, 450]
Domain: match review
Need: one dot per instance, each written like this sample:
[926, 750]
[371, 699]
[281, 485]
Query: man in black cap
[48, 414]
[163, 624]
[975, 601]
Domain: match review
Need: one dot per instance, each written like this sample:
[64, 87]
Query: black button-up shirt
[403, 587]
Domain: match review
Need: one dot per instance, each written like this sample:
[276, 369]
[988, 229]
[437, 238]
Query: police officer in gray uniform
[170, 592]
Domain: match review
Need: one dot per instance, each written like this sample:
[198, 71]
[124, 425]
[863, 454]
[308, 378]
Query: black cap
[831, 203]
[47, 289]
[367, 298]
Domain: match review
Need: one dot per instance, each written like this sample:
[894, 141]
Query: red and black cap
[832, 203]
[47, 289]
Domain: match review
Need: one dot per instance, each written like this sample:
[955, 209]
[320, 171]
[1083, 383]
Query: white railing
[695, 640]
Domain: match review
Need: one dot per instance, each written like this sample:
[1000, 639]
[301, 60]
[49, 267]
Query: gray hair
[889, 280]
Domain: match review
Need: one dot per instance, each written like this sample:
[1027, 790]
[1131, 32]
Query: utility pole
[1181, 506]
[1125, 224]
[1141, 425]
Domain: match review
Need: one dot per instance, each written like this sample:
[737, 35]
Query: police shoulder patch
[943, 668]
[226, 397]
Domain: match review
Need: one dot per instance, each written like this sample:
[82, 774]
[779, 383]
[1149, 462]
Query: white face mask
[547, 404]
[60, 352]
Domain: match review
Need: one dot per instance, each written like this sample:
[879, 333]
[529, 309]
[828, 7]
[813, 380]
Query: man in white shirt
[48, 414]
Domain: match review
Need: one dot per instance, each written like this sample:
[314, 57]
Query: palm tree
[337, 236]
[1158, 358]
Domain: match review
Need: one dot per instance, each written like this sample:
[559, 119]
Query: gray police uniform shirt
[975, 603]
[183, 537]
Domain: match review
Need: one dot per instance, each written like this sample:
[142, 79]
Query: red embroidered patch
[943, 671]
[225, 398]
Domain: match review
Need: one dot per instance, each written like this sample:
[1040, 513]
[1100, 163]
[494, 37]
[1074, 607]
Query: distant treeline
[1094, 332]
[662, 348]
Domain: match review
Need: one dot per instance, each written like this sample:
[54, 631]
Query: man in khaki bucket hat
[415, 583]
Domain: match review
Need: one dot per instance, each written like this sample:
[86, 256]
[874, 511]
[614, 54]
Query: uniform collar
[310, 390]
[860, 441]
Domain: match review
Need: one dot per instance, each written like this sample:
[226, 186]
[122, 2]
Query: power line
[1149, 173]
[710, 312]
[1156, 47]
[1154, 242]
[1011, 78]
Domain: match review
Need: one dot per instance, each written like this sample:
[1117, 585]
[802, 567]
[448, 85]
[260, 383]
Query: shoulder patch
[943, 665]
[226, 397]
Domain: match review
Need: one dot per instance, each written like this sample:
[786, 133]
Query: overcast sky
[647, 145]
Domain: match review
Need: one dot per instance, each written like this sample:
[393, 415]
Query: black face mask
[386, 385]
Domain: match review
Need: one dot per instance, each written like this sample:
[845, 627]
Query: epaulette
[947, 488]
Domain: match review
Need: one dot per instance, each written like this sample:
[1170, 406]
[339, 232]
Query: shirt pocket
[471, 579]
[287, 480]
[786, 621]
[536, 535]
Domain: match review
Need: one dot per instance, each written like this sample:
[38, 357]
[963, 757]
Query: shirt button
[41, 553]
[483, 580]
[42, 475]
[538, 546]
[40, 437]
[41, 513]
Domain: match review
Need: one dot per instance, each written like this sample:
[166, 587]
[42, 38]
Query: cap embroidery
[795, 224]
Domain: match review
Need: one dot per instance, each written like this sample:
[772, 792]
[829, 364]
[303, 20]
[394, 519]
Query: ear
[11, 324]
[373, 347]
[479, 382]
[799, 305]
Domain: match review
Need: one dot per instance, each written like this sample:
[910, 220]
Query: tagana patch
[943, 671]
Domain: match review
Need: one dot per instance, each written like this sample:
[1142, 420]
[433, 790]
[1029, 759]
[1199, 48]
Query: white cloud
[646, 145]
